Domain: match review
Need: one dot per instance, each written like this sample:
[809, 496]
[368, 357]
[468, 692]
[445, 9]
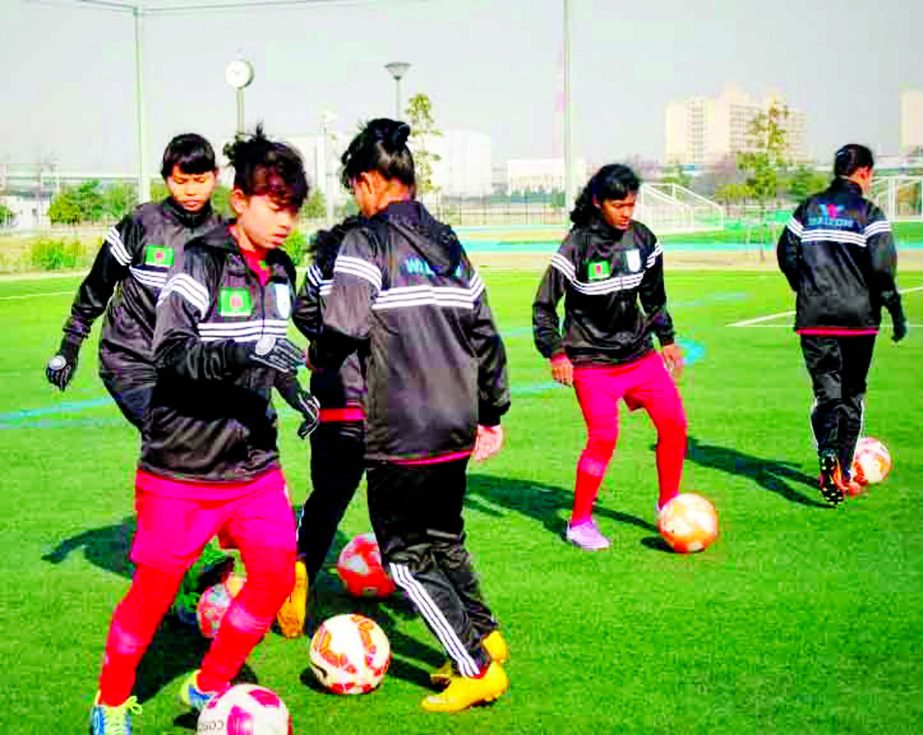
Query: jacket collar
[843, 184]
[186, 218]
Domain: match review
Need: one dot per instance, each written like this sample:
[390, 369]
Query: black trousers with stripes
[839, 368]
[416, 513]
[337, 463]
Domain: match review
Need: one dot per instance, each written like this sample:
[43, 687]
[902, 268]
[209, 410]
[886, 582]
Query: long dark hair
[263, 166]
[850, 158]
[612, 181]
[380, 146]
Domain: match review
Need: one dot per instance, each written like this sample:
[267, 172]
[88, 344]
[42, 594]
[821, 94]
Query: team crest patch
[159, 256]
[633, 259]
[283, 299]
[598, 270]
[234, 302]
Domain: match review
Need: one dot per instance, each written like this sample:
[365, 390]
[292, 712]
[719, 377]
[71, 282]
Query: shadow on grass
[106, 547]
[769, 474]
[544, 503]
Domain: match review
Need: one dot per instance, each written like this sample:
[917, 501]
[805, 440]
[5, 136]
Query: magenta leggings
[644, 383]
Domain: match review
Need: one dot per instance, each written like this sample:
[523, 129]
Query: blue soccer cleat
[106, 720]
[192, 696]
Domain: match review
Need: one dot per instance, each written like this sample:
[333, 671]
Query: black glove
[898, 322]
[310, 410]
[278, 353]
[60, 368]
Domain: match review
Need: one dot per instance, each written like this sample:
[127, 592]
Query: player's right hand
[562, 370]
[60, 369]
[901, 328]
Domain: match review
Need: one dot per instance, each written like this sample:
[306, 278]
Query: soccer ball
[214, 603]
[245, 709]
[350, 654]
[359, 566]
[872, 461]
[688, 523]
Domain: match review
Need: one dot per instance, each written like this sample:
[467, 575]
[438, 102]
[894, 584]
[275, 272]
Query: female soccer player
[209, 462]
[338, 444]
[838, 255]
[609, 270]
[404, 289]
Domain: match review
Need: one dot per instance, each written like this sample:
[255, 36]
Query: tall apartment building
[704, 130]
[911, 120]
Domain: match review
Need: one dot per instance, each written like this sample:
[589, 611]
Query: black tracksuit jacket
[127, 275]
[604, 274]
[838, 254]
[345, 387]
[210, 417]
[437, 366]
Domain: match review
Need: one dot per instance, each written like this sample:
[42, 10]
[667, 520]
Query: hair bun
[398, 137]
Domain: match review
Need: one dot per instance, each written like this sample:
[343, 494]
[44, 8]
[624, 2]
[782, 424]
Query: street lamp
[397, 69]
[327, 118]
[239, 74]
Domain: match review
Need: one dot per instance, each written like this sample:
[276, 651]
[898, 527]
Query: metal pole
[144, 182]
[397, 104]
[240, 111]
[569, 184]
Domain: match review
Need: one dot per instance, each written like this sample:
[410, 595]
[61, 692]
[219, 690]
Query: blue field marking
[67, 407]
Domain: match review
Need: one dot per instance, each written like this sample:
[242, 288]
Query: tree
[6, 215]
[765, 160]
[423, 131]
[677, 175]
[120, 199]
[75, 204]
[805, 181]
[315, 207]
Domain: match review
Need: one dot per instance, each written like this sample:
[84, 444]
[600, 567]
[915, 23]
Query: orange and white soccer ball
[359, 566]
[872, 461]
[688, 523]
[350, 654]
[245, 709]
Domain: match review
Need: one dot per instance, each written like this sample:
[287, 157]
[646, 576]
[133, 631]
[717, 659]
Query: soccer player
[609, 270]
[209, 463]
[338, 444]
[128, 273]
[838, 255]
[403, 289]
[124, 282]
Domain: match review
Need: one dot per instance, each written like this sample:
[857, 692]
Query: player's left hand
[673, 359]
[310, 411]
[489, 441]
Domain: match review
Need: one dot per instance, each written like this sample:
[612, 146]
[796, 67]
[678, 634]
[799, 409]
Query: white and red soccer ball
[349, 654]
[688, 523]
[245, 709]
[359, 566]
[871, 461]
[214, 603]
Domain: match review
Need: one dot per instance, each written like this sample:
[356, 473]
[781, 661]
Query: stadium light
[397, 69]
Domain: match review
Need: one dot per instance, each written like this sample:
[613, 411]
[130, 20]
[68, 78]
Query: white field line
[35, 295]
[757, 321]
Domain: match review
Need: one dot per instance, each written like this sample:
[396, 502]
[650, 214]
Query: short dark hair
[263, 166]
[850, 158]
[380, 146]
[612, 181]
[191, 153]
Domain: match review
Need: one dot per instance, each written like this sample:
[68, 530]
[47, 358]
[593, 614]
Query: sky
[67, 83]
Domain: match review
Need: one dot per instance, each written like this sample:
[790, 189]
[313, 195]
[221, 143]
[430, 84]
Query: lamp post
[327, 118]
[569, 184]
[397, 69]
[238, 74]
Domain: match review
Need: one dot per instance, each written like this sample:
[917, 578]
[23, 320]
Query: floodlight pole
[144, 181]
[569, 184]
[397, 69]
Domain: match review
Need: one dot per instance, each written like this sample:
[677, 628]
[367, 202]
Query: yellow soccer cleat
[464, 691]
[443, 676]
[496, 647]
[291, 615]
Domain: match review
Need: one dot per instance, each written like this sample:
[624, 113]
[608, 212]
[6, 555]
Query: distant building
[541, 174]
[911, 121]
[464, 167]
[705, 130]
